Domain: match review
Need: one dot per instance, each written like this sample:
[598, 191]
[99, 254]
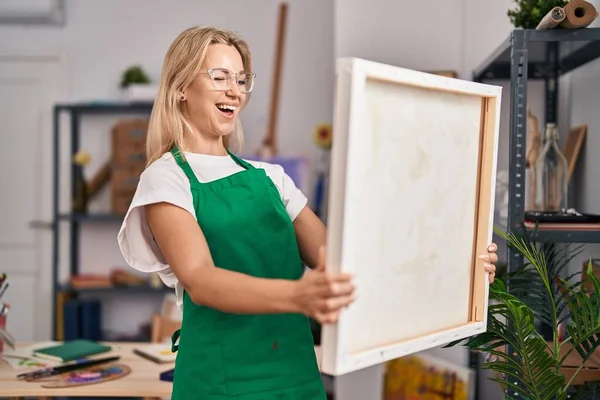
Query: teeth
[226, 107]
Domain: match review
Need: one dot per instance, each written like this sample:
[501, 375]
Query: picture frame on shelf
[572, 147]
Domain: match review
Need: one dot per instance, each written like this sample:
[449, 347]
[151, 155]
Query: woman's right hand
[321, 295]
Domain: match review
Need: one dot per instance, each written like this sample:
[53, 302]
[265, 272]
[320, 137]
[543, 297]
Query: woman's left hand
[489, 259]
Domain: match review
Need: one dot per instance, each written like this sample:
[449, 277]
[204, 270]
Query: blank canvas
[411, 206]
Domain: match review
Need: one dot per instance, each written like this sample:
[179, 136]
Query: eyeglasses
[222, 79]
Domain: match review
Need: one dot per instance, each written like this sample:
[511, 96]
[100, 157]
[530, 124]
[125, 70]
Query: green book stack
[72, 350]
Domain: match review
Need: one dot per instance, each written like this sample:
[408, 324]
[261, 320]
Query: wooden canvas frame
[365, 218]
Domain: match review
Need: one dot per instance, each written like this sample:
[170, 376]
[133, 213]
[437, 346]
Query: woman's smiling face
[210, 108]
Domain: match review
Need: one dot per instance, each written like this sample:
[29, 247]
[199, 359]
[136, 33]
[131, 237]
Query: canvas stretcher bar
[410, 208]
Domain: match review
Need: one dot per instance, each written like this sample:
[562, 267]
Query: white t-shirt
[165, 181]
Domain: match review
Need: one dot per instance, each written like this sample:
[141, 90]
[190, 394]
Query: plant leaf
[584, 327]
[511, 322]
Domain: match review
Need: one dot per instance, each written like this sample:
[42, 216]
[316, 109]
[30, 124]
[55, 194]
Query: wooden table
[143, 381]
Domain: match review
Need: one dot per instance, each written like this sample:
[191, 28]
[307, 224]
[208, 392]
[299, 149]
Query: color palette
[88, 376]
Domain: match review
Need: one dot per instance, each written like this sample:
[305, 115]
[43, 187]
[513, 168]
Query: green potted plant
[134, 75]
[538, 292]
[529, 13]
[136, 85]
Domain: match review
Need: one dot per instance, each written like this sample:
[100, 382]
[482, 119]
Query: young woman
[231, 236]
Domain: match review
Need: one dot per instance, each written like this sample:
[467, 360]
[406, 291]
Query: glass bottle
[550, 174]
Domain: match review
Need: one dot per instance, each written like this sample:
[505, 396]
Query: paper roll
[552, 19]
[579, 14]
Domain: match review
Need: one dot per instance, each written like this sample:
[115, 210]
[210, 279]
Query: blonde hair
[181, 65]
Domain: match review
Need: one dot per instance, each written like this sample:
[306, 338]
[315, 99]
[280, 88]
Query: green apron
[224, 356]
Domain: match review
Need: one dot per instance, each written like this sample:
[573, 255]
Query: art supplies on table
[63, 368]
[5, 337]
[168, 375]
[3, 288]
[3, 285]
[88, 375]
[22, 357]
[72, 350]
[160, 353]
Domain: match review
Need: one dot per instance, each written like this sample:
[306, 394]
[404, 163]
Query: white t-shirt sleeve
[292, 197]
[163, 181]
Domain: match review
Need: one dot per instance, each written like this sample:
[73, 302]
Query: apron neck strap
[185, 166]
[239, 161]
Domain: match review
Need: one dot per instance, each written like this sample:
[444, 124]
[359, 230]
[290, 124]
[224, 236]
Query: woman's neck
[200, 144]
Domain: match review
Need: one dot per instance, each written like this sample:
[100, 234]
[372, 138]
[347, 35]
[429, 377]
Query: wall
[396, 33]
[103, 37]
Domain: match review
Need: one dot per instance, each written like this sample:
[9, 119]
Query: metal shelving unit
[76, 112]
[536, 55]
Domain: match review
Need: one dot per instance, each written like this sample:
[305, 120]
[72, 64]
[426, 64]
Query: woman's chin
[226, 128]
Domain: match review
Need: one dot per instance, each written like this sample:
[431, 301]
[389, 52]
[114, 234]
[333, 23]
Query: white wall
[395, 32]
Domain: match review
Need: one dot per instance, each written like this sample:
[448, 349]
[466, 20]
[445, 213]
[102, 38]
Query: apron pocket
[266, 352]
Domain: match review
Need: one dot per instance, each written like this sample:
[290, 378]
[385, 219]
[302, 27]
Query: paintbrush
[7, 338]
[59, 369]
[3, 289]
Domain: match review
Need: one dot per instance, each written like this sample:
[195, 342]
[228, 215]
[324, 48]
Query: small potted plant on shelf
[136, 84]
[534, 369]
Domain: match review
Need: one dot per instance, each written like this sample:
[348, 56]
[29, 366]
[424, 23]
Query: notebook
[159, 353]
[71, 350]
